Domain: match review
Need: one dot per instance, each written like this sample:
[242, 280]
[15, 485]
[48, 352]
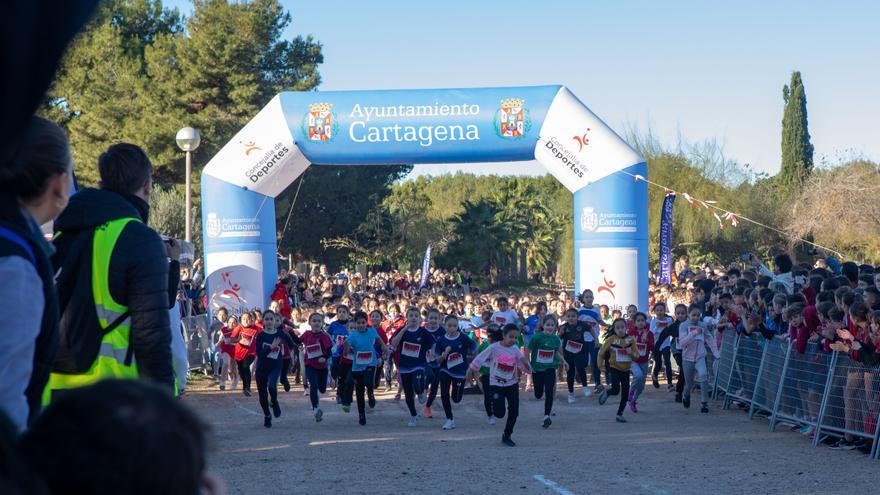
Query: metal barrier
[725, 365]
[199, 348]
[803, 386]
[772, 370]
[747, 365]
[851, 402]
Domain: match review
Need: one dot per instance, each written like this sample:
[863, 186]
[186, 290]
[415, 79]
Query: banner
[426, 266]
[665, 276]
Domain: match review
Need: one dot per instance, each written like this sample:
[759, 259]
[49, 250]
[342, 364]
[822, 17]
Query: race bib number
[313, 351]
[410, 349]
[340, 341]
[245, 341]
[545, 356]
[500, 320]
[364, 358]
[588, 336]
[573, 347]
[623, 356]
[454, 359]
[662, 324]
[643, 349]
[504, 369]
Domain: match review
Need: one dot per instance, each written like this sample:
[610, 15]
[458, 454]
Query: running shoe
[603, 398]
[319, 415]
[413, 421]
[587, 392]
[267, 421]
[632, 406]
[286, 386]
[507, 441]
[655, 382]
[246, 392]
[371, 401]
[678, 398]
[362, 419]
[397, 396]
[686, 402]
[421, 397]
[670, 387]
[449, 425]
[491, 421]
[704, 408]
[619, 418]
[571, 399]
[547, 422]
[842, 444]
[276, 409]
[427, 412]
[222, 387]
[346, 408]
[598, 389]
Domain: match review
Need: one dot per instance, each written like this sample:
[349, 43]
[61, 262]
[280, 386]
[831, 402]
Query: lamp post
[188, 140]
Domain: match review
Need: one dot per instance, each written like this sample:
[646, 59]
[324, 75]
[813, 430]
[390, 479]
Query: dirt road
[664, 449]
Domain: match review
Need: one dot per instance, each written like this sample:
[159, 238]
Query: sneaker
[427, 412]
[686, 402]
[267, 421]
[632, 406]
[704, 408]
[619, 418]
[806, 430]
[413, 421]
[598, 389]
[371, 401]
[362, 419]
[587, 392]
[339, 399]
[421, 397]
[397, 396]
[603, 397]
[507, 441]
[491, 421]
[547, 422]
[571, 399]
[319, 415]
[678, 398]
[276, 409]
[655, 382]
[842, 444]
[246, 392]
[305, 391]
[449, 425]
[346, 408]
[222, 387]
[286, 387]
[670, 387]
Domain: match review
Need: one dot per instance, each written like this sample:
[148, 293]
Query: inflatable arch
[543, 123]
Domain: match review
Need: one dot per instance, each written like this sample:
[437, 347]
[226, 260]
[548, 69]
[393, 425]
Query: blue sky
[700, 70]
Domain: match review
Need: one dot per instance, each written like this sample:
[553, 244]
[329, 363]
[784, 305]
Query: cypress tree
[797, 151]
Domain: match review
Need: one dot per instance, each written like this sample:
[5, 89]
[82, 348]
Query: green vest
[110, 362]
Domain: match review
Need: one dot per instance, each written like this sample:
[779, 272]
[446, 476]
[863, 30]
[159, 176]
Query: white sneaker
[491, 421]
[319, 414]
[449, 424]
[413, 421]
[587, 392]
[571, 399]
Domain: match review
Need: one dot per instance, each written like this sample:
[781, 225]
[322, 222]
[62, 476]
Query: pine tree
[797, 151]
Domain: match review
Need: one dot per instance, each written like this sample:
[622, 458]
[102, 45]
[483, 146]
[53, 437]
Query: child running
[268, 345]
[618, 351]
[490, 335]
[361, 344]
[432, 371]
[693, 337]
[575, 352]
[227, 351]
[454, 350]
[245, 352]
[414, 342]
[505, 362]
[546, 353]
[341, 365]
[317, 348]
[645, 344]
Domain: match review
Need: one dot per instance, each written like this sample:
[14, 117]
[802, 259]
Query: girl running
[545, 348]
[490, 335]
[660, 322]
[361, 344]
[376, 319]
[317, 348]
[575, 351]
[644, 344]
[341, 365]
[227, 351]
[268, 345]
[432, 371]
[618, 351]
[413, 342]
[245, 352]
[693, 337]
[505, 361]
[454, 350]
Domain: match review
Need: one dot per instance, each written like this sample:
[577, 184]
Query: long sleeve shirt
[505, 364]
[693, 338]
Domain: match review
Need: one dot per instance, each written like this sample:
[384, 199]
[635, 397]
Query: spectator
[781, 273]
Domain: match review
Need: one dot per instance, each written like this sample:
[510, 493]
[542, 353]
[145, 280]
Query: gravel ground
[663, 449]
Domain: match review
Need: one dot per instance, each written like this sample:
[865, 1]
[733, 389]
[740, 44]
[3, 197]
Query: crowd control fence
[822, 394]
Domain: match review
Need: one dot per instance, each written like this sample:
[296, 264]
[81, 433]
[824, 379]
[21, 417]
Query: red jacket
[280, 294]
[645, 344]
[245, 345]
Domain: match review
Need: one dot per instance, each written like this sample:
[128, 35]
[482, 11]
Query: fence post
[726, 402]
[758, 377]
[825, 397]
[779, 388]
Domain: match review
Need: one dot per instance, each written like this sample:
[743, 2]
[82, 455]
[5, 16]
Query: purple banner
[666, 240]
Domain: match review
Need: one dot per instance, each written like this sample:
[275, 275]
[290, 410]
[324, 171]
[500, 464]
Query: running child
[454, 350]
[361, 344]
[545, 348]
[433, 323]
[591, 315]
[376, 319]
[245, 352]
[694, 337]
[660, 322]
[227, 351]
[317, 348]
[341, 365]
[575, 351]
[505, 361]
[644, 344]
[490, 335]
[268, 348]
[414, 341]
[618, 351]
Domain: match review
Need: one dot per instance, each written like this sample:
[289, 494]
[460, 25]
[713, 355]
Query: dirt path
[663, 449]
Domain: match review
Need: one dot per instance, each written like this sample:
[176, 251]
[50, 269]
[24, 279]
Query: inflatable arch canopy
[543, 123]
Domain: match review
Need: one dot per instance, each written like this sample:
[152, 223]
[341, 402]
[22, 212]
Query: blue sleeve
[833, 264]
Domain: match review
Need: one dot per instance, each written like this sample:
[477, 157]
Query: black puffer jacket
[138, 273]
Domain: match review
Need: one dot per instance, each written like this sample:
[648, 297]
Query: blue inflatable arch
[544, 123]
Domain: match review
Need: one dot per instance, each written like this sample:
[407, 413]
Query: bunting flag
[665, 276]
[720, 222]
[426, 267]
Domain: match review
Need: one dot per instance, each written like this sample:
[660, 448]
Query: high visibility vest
[110, 362]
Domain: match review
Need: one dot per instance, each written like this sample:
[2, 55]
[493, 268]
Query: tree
[797, 151]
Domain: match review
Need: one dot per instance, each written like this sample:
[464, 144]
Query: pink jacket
[505, 364]
[693, 343]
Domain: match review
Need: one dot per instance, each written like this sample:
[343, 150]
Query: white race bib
[545, 356]
[313, 351]
[623, 355]
[410, 349]
[503, 370]
[454, 359]
[573, 347]
[245, 341]
[364, 358]
[643, 349]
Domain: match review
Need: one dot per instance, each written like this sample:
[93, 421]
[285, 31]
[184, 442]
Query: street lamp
[188, 140]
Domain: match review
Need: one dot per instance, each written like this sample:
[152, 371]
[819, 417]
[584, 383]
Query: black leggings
[244, 371]
[679, 384]
[433, 379]
[577, 367]
[363, 380]
[413, 383]
[267, 387]
[317, 379]
[342, 374]
[663, 359]
[285, 369]
[620, 385]
[509, 394]
[487, 394]
[377, 374]
[457, 390]
[545, 384]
